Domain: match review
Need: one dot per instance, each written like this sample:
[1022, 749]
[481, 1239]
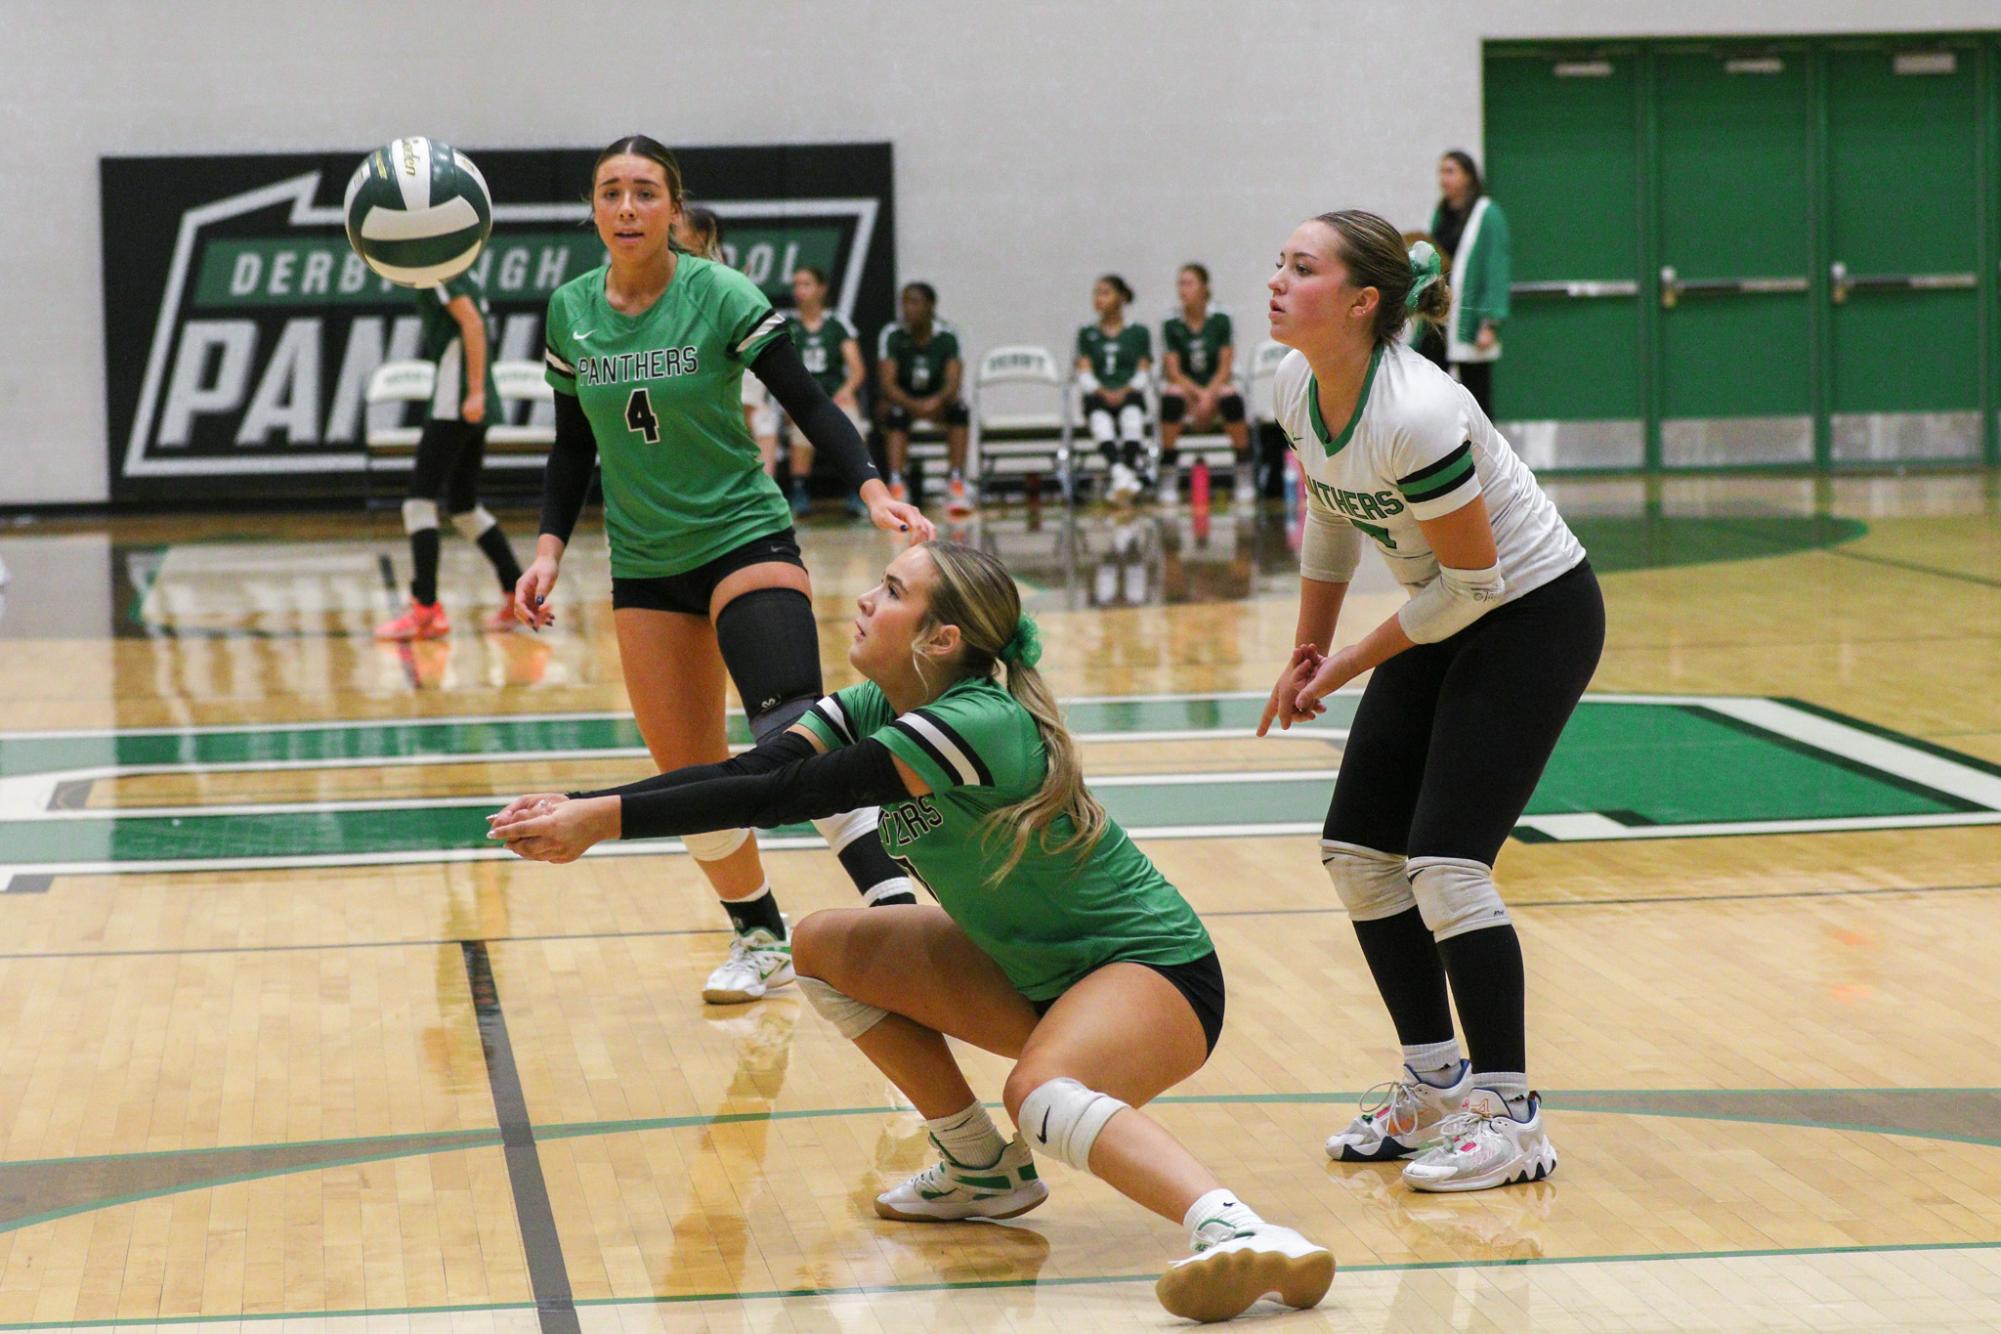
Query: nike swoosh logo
[1043, 1134]
[581, 334]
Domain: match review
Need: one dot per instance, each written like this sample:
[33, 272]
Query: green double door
[1732, 255]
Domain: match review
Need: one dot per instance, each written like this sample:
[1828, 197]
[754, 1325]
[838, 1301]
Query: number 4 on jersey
[639, 416]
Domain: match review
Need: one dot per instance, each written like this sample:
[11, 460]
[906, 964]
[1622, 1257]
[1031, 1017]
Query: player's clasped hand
[550, 827]
[1283, 707]
[1329, 675]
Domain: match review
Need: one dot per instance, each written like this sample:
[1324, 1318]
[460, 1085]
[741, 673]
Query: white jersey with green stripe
[1417, 448]
[1057, 916]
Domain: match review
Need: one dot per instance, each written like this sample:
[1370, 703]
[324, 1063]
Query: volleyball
[418, 212]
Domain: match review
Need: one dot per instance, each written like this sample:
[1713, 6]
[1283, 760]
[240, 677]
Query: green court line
[977, 1285]
[419, 1145]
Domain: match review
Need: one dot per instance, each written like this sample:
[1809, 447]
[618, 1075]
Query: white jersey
[1419, 447]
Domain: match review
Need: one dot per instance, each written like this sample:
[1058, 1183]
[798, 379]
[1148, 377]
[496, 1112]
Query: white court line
[1589, 827]
[494, 800]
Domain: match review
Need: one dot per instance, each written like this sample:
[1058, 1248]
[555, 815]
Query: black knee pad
[1173, 407]
[1231, 406]
[771, 646]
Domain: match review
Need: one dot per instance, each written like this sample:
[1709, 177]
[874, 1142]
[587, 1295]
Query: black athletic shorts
[897, 418]
[1200, 981]
[690, 590]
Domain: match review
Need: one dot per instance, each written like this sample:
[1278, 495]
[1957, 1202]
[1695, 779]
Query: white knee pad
[472, 525]
[844, 1012]
[1456, 895]
[1064, 1118]
[841, 830]
[419, 515]
[1132, 419]
[716, 846]
[1371, 884]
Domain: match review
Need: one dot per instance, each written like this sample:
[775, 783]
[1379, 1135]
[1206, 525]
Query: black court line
[1960, 575]
[548, 1277]
[1662, 899]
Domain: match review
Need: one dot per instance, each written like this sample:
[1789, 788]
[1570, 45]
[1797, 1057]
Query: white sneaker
[1226, 1275]
[948, 1191]
[1124, 485]
[1399, 1118]
[1483, 1146]
[758, 962]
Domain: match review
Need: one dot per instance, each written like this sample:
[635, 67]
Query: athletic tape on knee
[419, 515]
[841, 830]
[472, 524]
[844, 1012]
[715, 846]
[1455, 895]
[1372, 885]
[1064, 1118]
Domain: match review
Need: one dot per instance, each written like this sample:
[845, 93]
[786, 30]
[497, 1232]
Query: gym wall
[1037, 144]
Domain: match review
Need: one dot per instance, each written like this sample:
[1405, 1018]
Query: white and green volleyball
[418, 212]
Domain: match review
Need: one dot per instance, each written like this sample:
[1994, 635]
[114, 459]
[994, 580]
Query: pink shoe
[420, 622]
[501, 621]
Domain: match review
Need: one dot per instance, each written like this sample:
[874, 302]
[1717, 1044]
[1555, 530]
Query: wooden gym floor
[282, 1047]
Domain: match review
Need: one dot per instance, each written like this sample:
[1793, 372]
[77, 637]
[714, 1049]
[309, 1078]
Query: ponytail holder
[1025, 648]
[1425, 269]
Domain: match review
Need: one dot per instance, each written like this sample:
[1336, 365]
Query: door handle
[1674, 286]
[1843, 282]
[1578, 289]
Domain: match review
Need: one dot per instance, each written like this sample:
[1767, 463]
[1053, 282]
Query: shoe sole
[1520, 1176]
[418, 637]
[1223, 1286]
[896, 1215]
[1347, 1154]
[717, 996]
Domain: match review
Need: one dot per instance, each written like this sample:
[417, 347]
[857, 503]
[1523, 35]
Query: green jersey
[920, 367]
[664, 394]
[439, 342]
[1115, 358]
[1055, 917]
[820, 349]
[1200, 350]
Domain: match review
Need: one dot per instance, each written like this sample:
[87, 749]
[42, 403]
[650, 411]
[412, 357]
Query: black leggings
[1478, 377]
[449, 457]
[1451, 738]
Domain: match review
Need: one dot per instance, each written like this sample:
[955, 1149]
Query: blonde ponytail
[974, 591]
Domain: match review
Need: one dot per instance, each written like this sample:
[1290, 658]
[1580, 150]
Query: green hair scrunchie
[1425, 269]
[1025, 648]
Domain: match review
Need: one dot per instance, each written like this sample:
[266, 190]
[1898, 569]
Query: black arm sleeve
[788, 747]
[823, 424]
[863, 774]
[566, 481]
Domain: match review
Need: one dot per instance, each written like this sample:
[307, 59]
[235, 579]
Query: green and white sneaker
[758, 962]
[1233, 1267]
[1482, 1146]
[948, 1191]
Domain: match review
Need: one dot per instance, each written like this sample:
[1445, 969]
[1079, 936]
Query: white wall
[1038, 142]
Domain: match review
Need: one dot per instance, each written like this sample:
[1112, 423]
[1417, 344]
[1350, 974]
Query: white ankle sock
[1220, 1213]
[1436, 1063]
[1512, 1085]
[969, 1137]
